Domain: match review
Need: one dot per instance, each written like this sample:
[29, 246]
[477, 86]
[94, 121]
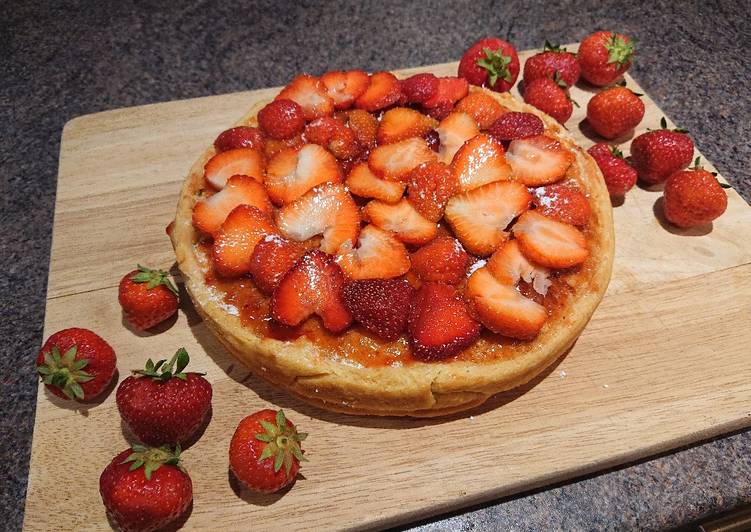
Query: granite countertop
[61, 62]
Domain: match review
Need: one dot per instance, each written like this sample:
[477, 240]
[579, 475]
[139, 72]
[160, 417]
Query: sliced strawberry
[482, 107]
[480, 161]
[508, 265]
[236, 239]
[420, 87]
[240, 161]
[273, 146]
[402, 219]
[345, 87]
[548, 242]
[383, 91]
[310, 94]
[479, 217]
[443, 260]
[402, 123]
[271, 259]
[440, 325]
[454, 131]
[430, 187]
[314, 285]
[326, 210]
[334, 135]
[380, 305]
[239, 137]
[378, 255]
[291, 173]
[363, 182]
[450, 90]
[395, 161]
[502, 308]
[210, 213]
[363, 124]
[539, 160]
[563, 203]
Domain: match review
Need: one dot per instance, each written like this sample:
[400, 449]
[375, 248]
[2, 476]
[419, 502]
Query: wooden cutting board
[664, 361]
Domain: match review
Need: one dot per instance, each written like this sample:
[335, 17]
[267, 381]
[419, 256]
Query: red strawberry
[551, 61]
[363, 182]
[240, 161]
[239, 137]
[619, 176]
[563, 203]
[148, 297]
[272, 258]
[453, 131]
[549, 243]
[539, 160]
[384, 90]
[282, 119]
[378, 255]
[439, 112]
[146, 488]
[514, 125]
[380, 305]
[693, 197]
[420, 87]
[326, 210]
[333, 135]
[210, 213]
[402, 219]
[450, 90]
[313, 286]
[430, 187]
[291, 173]
[272, 146]
[76, 364]
[265, 451]
[604, 56]
[345, 87]
[402, 123]
[509, 266]
[363, 124]
[490, 63]
[657, 154]
[443, 260]
[548, 96]
[235, 240]
[310, 94]
[162, 404]
[395, 161]
[480, 161]
[613, 112]
[483, 108]
[440, 326]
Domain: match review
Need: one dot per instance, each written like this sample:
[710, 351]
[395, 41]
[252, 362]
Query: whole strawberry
[548, 96]
[76, 364]
[659, 153]
[619, 176]
[551, 62]
[239, 137]
[163, 405]
[693, 197]
[613, 112]
[265, 451]
[147, 296]
[604, 56]
[145, 488]
[491, 63]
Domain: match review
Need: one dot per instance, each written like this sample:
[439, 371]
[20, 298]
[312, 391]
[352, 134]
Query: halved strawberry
[539, 160]
[236, 239]
[326, 210]
[273, 146]
[502, 308]
[450, 90]
[380, 305]
[384, 90]
[402, 123]
[443, 260]
[479, 217]
[345, 87]
[291, 173]
[430, 187]
[395, 161]
[563, 203]
[440, 325]
[509, 265]
[378, 255]
[454, 131]
[240, 161]
[363, 182]
[334, 135]
[548, 242]
[271, 259]
[310, 94]
[483, 108]
[480, 161]
[402, 219]
[210, 213]
[363, 124]
[313, 286]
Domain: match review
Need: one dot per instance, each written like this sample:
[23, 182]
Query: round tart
[394, 248]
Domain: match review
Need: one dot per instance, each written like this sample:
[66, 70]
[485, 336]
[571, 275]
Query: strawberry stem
[152, 458]
[496, 64]
[154, 278]
[282, 443]
[163, 370]
[65, 372]
[619, 50]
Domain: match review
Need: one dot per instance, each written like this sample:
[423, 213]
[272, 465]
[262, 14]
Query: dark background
[64, 59]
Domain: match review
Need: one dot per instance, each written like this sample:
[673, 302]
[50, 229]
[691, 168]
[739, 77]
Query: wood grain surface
[664, 361]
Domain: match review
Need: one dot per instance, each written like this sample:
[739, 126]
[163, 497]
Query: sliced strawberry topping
[539, 160]
[236, 239]
[395, 161]
[378, 255]
[508, 265]
[273, 146]
[450, 90]
[326, 210]
[240, 161]
[380, 305]
[402, 219]
[480, 161]
[430, 187]
[314, 285]
[345, 87]
[239, 137]
[210, 213]
[454, 131]
[563, 203]
[479, 217]
[384, 90]
[515, 125]
[366, 184]
[501, 307]
[548, 242]
[443, 260]
[291, 173]
[333, 135]
[440, 325]
[483, 108]
[310, 94]
[271, 259]
[402, 123]
[282, 119]
[420, 87]
[363, 124]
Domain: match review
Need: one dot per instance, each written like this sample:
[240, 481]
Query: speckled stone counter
[60, 62]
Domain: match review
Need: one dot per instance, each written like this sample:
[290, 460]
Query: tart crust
[419, 389]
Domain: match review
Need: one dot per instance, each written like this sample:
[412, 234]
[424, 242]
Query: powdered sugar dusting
[476, 266]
